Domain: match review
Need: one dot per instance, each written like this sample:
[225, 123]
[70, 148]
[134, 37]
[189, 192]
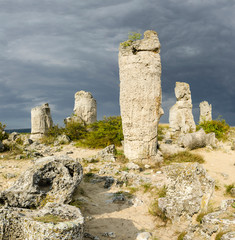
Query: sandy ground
[125, 219]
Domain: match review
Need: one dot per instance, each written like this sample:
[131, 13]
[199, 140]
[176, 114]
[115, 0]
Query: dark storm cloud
[51, 49]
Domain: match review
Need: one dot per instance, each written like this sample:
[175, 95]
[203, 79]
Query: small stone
[108, 182]
[118, 198]
[109, 234]
[144, 236]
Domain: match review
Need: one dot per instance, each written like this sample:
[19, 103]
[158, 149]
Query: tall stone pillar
[180, 116]
[140, 96]
[205, 111]
[41, 121]
[85, 109]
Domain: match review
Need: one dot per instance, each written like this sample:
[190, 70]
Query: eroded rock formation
[205, 111]
[85, 107]
[197, 139]
[52, 179]
[41, 121]
[140, 96]
[53, 221]
[180, 116]
[189, 190]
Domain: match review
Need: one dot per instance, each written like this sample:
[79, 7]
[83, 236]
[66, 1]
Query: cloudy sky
[49, 49]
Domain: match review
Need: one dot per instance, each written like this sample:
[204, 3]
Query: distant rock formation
[41, 121]
[140, 96]
[180, 116]
[205, 111]
[85, 109]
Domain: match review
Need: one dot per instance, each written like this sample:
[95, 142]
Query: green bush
[75, 130]
[132, 36]
[3, 134]
[218, 126]
[103, 133]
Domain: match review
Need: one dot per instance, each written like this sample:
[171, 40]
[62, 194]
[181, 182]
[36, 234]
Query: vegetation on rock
[132, 36]
[218, 126]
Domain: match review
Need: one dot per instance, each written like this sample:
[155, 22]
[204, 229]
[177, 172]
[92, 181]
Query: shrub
[104, 133]
[75, 130]
[132, 36]
[3, 134]
[184, 156]
[219, 127]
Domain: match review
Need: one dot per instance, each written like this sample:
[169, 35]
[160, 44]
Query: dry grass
[184, 156]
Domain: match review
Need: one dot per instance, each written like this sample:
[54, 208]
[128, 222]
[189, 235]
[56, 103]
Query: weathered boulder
[169, 149]
[41, 121]
[54, 221]
[205, 111]
[189, 190]
[221, 221]
[85, 107]
[51, 179]
[180, 115]
[140, 96]
[197, 139]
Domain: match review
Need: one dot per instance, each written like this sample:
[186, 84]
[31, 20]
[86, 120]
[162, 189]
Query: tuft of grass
[162, 192]
[228, 188]
[184, 156]
[181, 236]
[77, 203]
[49, 218]
[200, 216]
[155, 211]
[219, 235]
[147, 187]
[133, 190]
[120, 157]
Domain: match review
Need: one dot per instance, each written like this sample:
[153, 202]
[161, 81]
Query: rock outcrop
[180, 116]
[197, 139]
[188, 191]
[41, 121]
[220, 222]
[140, 96]
[85, 109]
[53, 221]
[205, 111]
[51, 179]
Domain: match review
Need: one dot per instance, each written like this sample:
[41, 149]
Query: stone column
[181, 117]
[205, 111]
[140, 96]
[85, 109]
[41, 121]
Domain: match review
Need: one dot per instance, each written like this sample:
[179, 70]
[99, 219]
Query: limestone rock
[144, 236]
[197, 139]
[189, 190]
[205, 111]
[140, 96]
[51, 179]
[85, 107]
[222, 220]
[66, 223]
[41, 121]
[180, 115]
[170, 149]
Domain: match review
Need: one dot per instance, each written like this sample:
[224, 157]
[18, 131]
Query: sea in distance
[21, 130]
